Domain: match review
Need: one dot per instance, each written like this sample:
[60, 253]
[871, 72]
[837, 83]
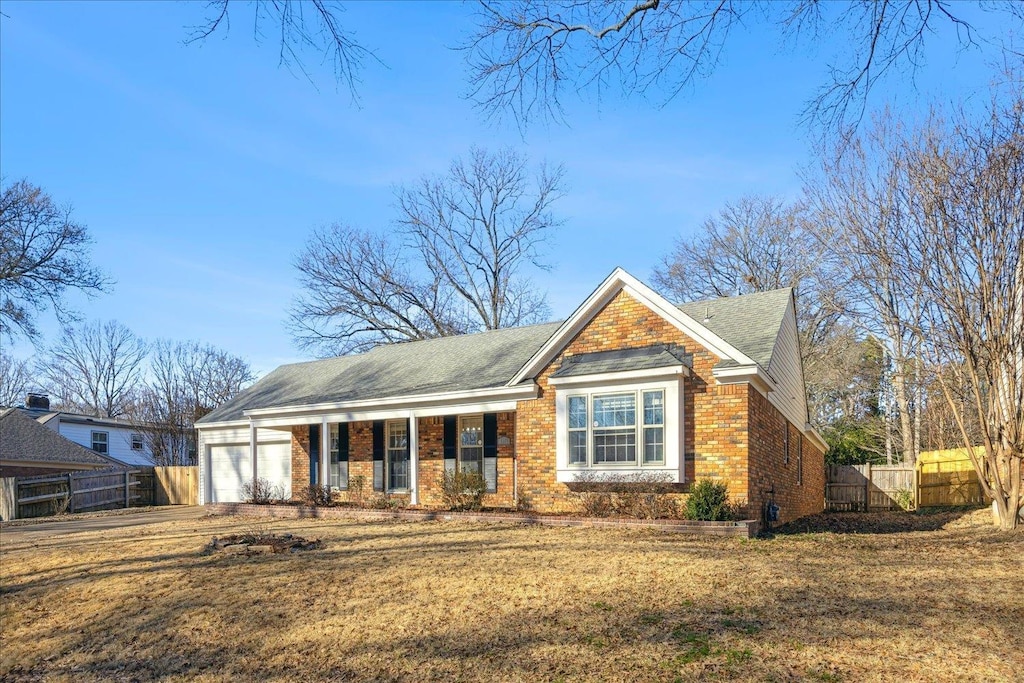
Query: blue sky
[201, 169]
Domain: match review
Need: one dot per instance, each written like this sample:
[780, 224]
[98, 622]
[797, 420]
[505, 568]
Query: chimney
[40, 401]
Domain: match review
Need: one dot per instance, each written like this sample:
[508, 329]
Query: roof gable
[618, 281]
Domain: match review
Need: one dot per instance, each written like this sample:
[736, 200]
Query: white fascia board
[403, 404]
[752, 374]
[617, 281]
[616, 377]
[222, 425]
[815, 437]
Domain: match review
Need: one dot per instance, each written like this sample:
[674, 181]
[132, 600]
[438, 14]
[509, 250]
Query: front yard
[463, 601]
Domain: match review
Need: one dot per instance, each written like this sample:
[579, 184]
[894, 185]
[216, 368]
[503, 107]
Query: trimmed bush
[709, 502]
[463, 490]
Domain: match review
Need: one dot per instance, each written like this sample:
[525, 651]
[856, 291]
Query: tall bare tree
[16, 377]
[860, 204]
[929, 221]
[95, 368]
[44, 252]
[186, 381]
[966, 262]
[527, 53]
[455, 264]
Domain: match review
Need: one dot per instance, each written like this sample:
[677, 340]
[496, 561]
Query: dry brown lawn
[462, 601]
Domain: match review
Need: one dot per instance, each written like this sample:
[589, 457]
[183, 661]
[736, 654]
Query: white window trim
[106, 442]
[132, 440]
[673, 435]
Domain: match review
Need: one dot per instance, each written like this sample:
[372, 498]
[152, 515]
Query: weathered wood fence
[868, 487]
[89, 490]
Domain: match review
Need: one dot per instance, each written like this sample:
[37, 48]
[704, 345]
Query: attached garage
[230, 467]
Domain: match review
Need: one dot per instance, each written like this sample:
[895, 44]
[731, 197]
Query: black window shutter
[491, 451]
[314, 454]
[378, 455]
[451, 443]
[343, 455]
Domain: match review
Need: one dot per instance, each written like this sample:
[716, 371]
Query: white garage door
[231, 467]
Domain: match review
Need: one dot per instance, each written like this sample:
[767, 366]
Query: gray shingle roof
[486, 360]
[22, 438]
[659, 356]
[750, 322]
[472, 361]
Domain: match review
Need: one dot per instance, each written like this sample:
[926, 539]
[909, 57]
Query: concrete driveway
[75, 525]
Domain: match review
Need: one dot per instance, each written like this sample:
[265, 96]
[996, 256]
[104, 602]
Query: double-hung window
[398, 455]
[606, 429]
[471, 443]
[101, 442]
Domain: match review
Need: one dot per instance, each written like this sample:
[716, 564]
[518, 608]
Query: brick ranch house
[629, 383]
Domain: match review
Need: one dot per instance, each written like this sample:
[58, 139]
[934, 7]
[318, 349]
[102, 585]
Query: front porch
[405, 458]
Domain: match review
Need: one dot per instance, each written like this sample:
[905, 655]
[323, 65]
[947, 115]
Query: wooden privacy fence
[950, 482]
[85, 491]
[868, 487]
[880, 487]
[175, 485]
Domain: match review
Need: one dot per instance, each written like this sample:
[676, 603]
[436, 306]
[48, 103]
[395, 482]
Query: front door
[397, 456]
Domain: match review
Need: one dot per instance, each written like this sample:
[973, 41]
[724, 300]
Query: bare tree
[95, 368]
[930, 223]
[43, 253]
[859, 203]
[300, 26]
[15, 378]
[966, 262]
[526, 53]
[754, 244]
[186, 381]
[455, 265]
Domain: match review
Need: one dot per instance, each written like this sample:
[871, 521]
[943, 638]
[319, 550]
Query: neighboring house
[118, 440]
[630, 383]
[28, 448]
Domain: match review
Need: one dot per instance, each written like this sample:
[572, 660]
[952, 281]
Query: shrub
[463, 490]
[260, 492]
[317, 496]
[356, 484]
[645, 495]
[642, 495]
[709, 502]
[384, 501]
[905, 499]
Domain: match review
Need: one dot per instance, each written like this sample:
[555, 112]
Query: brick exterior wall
[731, 433]
[773, 473]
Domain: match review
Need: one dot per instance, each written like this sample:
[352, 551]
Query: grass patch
[456, 601]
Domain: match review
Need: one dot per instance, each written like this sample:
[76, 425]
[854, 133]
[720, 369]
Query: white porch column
[252, 450]
[325, 453]
[414, 459]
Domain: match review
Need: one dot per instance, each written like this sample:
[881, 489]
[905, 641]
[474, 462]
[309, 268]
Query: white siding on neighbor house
[224, 456]
[786, 368]
[119, 441]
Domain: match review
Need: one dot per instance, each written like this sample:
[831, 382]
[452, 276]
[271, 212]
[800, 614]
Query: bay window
[603, 429]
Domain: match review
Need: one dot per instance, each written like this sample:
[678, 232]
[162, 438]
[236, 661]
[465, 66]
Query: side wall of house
[789, 471]
[715, 416]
